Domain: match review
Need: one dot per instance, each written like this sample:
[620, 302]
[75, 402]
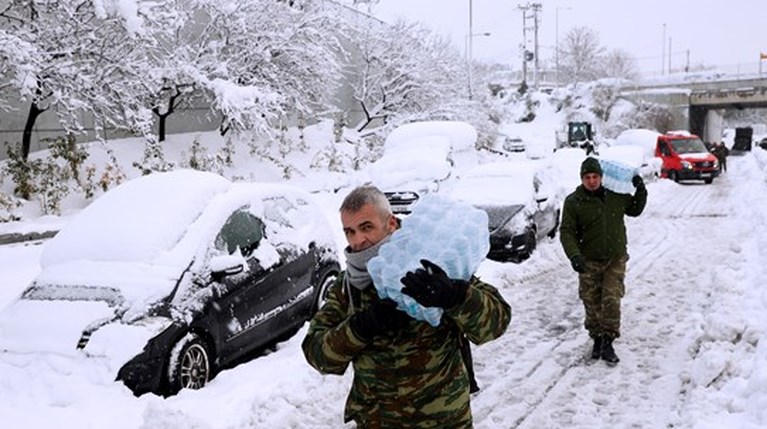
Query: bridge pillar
[714, 126]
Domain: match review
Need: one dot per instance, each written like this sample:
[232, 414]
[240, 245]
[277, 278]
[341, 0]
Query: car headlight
[687, 165]
[716, 163]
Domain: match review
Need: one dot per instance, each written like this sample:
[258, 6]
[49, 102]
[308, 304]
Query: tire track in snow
[552, 383]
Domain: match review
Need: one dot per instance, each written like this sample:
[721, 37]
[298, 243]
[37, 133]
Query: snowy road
[687, 271]
[692, 317]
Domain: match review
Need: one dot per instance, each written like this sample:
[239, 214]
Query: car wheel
[673, 176]
[708, 181]
[189, 364]
[327, 280]
[530, 244]
[553, 232]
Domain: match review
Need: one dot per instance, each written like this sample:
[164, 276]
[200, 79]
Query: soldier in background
[593, 236]
[721, 152]
[407, 373]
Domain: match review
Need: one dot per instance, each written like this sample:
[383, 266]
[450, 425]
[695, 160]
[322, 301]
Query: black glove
[431, 287]
[382, 317]
[577, 263]
[637, 181]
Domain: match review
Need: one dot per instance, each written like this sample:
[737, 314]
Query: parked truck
[743, 139]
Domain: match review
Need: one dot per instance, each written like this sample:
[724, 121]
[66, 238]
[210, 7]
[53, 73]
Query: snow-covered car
[173, 276]
[523, 213]
[418, 158]
[640, 153]
[634, 157]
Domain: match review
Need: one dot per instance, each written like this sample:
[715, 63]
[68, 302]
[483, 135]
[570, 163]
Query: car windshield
[691, 145]
[499, 215]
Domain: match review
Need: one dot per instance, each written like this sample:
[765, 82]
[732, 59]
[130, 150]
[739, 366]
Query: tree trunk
[161, 123]
[26, 137]
[163, 117]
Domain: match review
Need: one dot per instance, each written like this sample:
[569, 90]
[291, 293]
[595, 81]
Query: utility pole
[469, 50]
[556, 41]
[663, 55]
[669, 55]
[530, 11]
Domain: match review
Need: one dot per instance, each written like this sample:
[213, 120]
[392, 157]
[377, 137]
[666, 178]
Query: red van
[685, 157]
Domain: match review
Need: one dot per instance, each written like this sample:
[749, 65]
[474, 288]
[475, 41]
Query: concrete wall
[196, 118]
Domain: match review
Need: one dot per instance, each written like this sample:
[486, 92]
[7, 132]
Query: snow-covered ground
[691, 355]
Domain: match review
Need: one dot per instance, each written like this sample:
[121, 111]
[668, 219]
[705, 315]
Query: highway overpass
[698, 105]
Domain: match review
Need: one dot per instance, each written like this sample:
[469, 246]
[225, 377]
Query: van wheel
[673, 175]
[708, 181]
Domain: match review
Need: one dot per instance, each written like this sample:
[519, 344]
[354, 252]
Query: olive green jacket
[593, 227]
[414, 378]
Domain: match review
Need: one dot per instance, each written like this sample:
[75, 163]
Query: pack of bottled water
[616, 176]
[453, 235]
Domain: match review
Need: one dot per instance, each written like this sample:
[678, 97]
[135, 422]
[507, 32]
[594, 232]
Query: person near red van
[593, 236]
[720, 151]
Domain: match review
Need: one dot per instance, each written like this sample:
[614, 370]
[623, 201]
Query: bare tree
[405, 70]
[264, 60]
[581, 55]
[620, 64]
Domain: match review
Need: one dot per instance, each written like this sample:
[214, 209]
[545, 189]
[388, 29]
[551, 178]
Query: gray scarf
[357, 265]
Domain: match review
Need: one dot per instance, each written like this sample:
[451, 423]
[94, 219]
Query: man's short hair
[366, 194]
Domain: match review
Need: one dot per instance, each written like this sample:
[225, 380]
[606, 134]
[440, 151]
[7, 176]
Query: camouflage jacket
[414, 378]
[594, 227]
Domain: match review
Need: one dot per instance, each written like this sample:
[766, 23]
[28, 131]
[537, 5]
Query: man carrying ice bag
[408, 371]
[593, 236]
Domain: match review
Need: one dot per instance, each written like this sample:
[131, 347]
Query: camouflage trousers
[601, 288]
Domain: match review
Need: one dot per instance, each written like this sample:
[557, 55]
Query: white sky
[727, 33]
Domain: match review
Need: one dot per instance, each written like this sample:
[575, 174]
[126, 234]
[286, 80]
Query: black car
[174, 276]
[519, 201]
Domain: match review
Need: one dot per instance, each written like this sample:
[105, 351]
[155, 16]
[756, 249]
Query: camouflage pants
[601, 288]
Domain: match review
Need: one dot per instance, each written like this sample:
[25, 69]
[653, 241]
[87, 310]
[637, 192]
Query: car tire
[189, 364]
[553, 233]
[530, 244]
[673, 175]
[708, 181]
[327, 280]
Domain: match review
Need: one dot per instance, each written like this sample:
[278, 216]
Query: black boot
[596, 352]
[608, 353]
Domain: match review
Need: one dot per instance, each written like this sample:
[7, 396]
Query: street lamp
[556, 42]
[467, 46]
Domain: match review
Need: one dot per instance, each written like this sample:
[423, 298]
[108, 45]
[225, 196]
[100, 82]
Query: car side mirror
[226, 265]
